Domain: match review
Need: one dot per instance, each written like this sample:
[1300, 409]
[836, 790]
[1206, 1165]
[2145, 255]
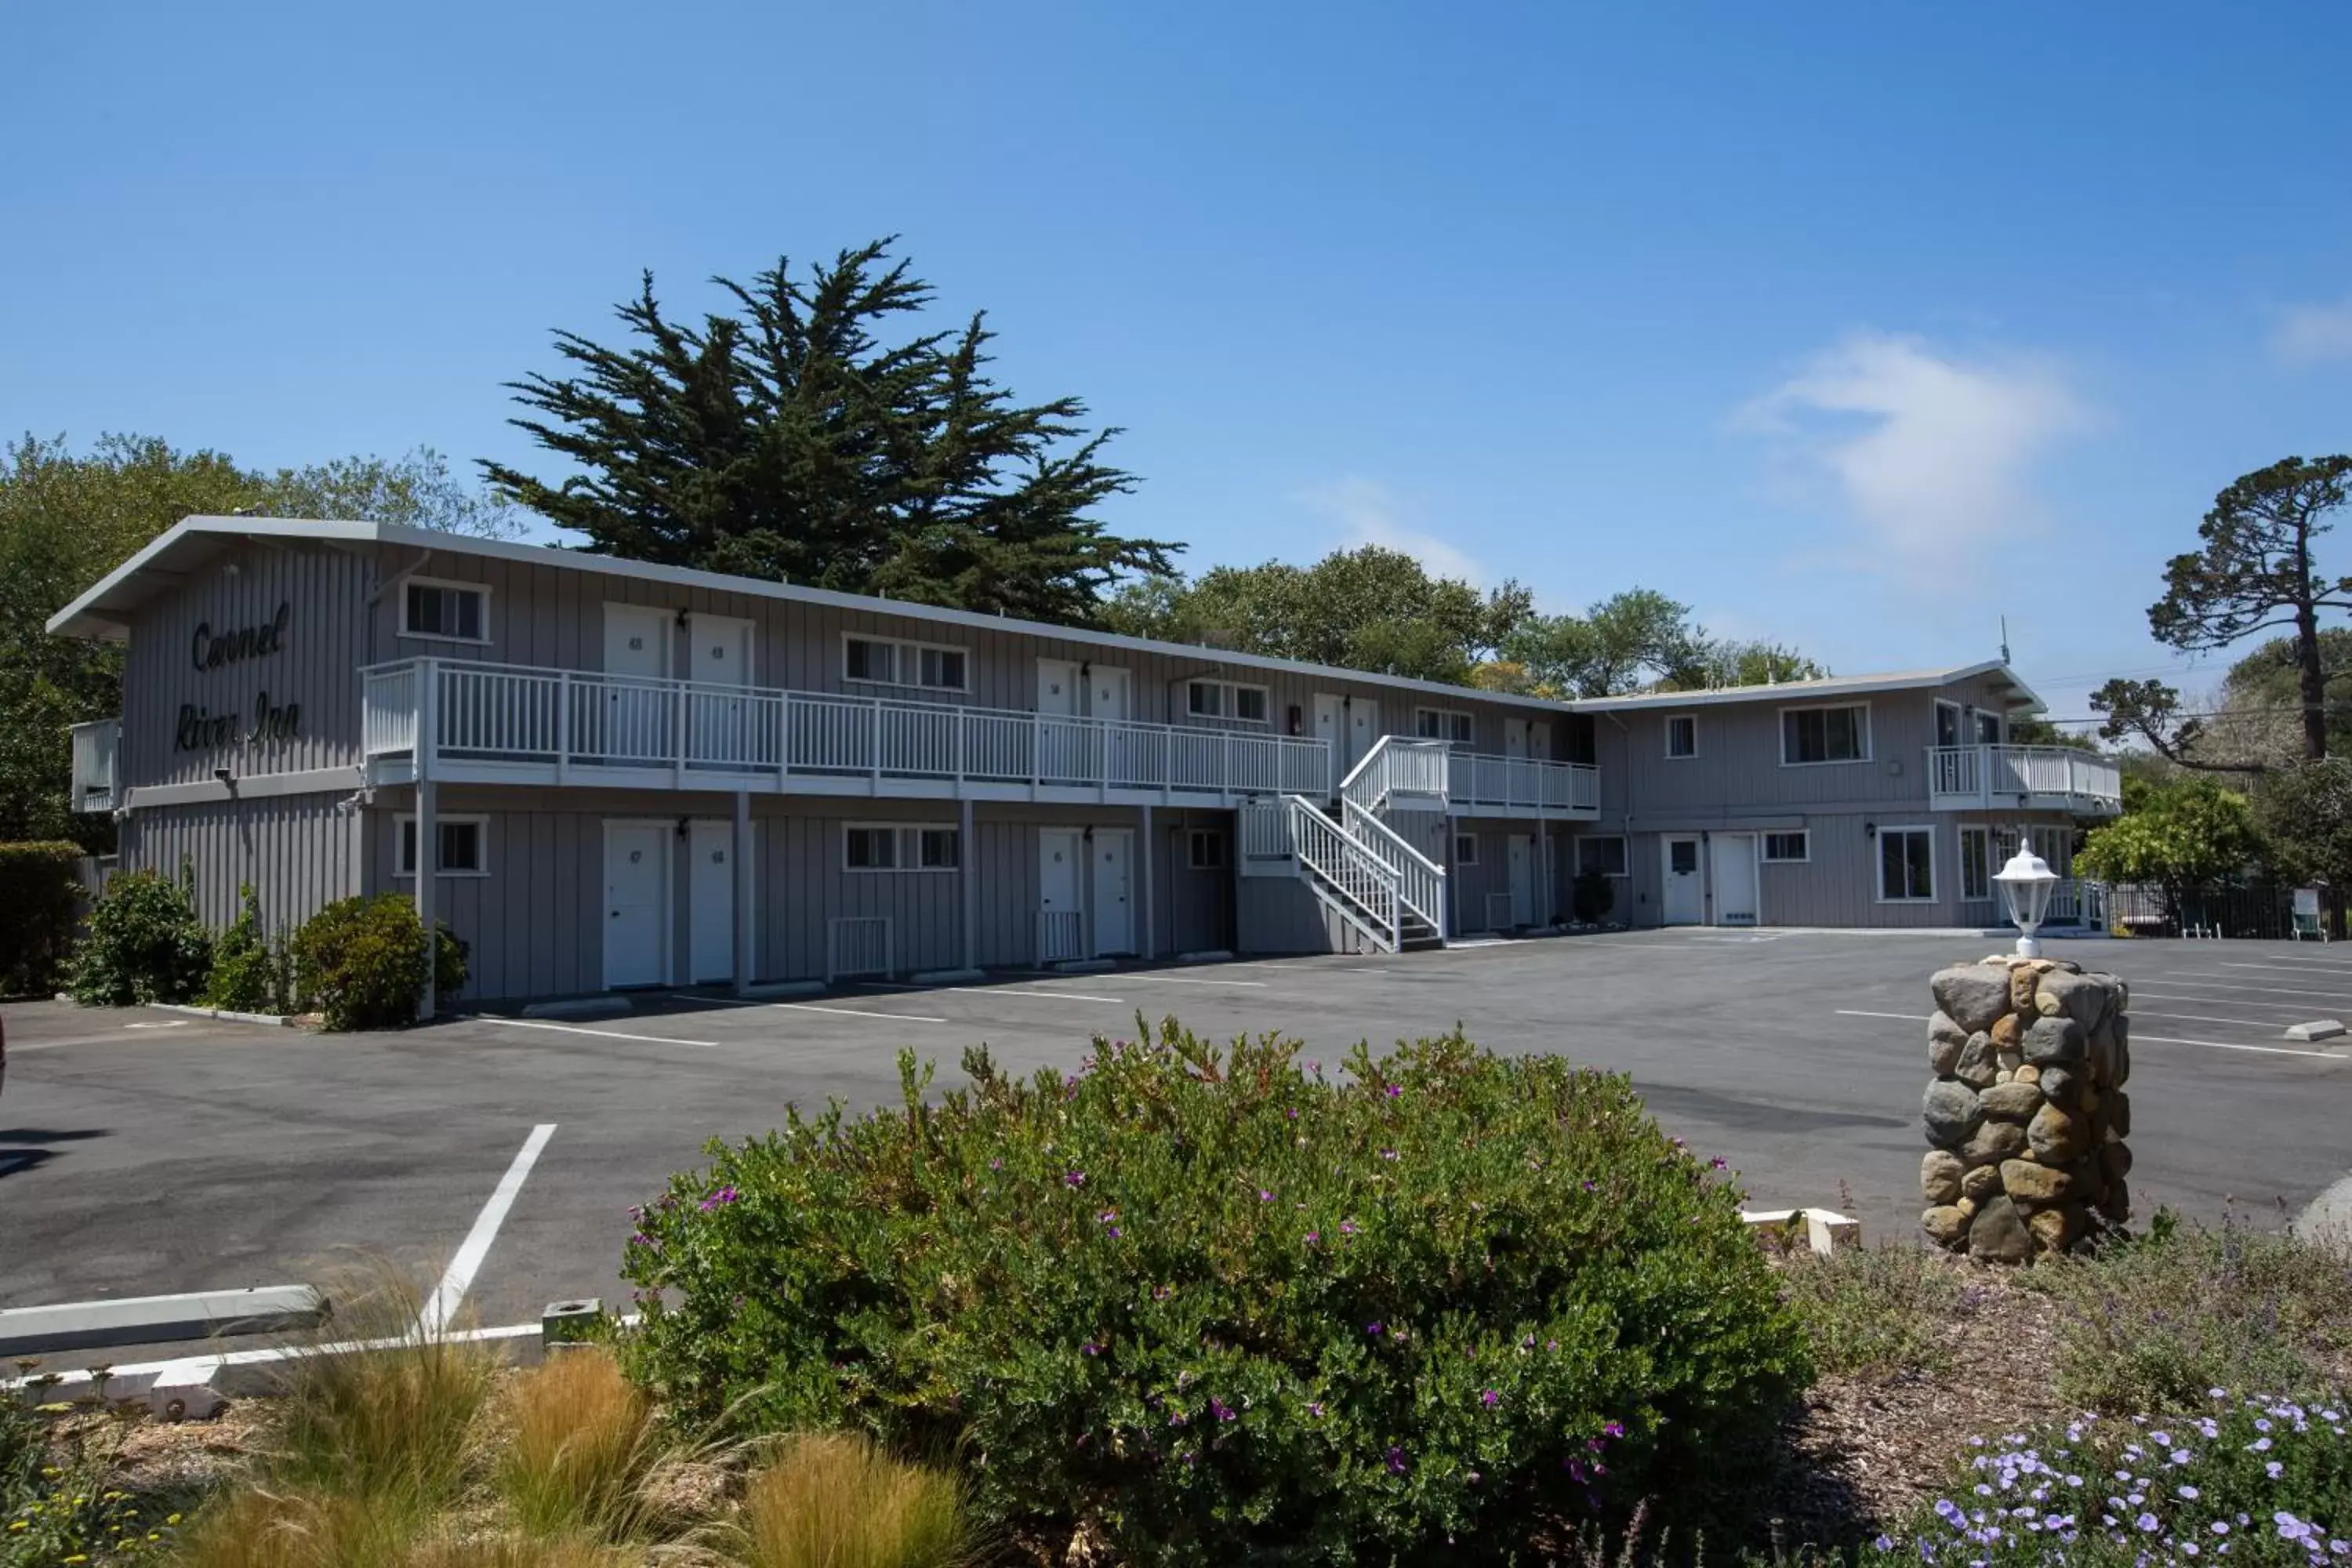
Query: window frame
[1999, 723]
[1460, 841]
[1764, 857]
[907, 848]
[1228, 700]
[1449, 721]
[454, 586]
[1983, 834]
[1211, 838]
[1672, 720]
[1624, 854]
[903, 648]
[1869, 740]
[1878, 862]
[1961, 725]
[405, 846]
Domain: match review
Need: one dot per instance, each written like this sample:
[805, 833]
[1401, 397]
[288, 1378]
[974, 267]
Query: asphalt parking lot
[142, 1152]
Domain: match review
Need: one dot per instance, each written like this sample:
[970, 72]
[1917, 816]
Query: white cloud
[1370, 514]
[2303, 333]
[1930, 453]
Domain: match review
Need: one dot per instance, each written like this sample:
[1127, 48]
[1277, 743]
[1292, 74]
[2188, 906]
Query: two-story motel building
[619, 775]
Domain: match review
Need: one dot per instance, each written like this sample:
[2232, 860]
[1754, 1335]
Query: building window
[884, 661]
[459, 843]
[1788, 848]
[1987, 729]
[885, 846]
[1682, 734]
[1839, 734]
[1205, 850]
[1600, 854]
[1976, 865]
[1465, 849]
[454, 612]
[1225, 700]
[1451, 725]
[1907, 865]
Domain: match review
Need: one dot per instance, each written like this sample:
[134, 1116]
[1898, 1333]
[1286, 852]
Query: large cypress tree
[787, 441]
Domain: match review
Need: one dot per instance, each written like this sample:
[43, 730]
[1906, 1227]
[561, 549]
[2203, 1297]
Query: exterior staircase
[1357, 866]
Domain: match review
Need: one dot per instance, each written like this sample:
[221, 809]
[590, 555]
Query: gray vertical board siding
[298, 852]
[1280, 915]
[1194, 908]
[325, 642]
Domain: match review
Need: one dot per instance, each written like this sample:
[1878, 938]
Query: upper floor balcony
[472, 722]
[1408, 774]
[2030, 778]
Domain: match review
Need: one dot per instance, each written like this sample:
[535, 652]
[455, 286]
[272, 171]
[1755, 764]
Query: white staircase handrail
[1421, 881]
[1347, 875]
[1397, 764]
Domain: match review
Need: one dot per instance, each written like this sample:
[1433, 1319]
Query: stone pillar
[2027, 1110]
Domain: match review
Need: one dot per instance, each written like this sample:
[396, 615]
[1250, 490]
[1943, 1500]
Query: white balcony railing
[2051, 777]
[577, 720]
[97, 753]
[1476, 779]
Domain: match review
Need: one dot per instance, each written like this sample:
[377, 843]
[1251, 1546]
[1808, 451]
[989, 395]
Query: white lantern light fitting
[2026, 884]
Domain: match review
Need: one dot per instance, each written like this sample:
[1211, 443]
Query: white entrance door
[636, 893]
[1734, 873]
[1327, 729]
[634, 724]
[1515, 737]
[718, 724]
[1107, 692]
[1363, 728]
[1114, 913]
[1057, 687]
[1539, 740]
[1685, 902]
[1061, 916]
[711, 904]
[1523, 880]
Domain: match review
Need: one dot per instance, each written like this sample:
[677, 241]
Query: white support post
[965, 885]
[428, 833]
[875, 756]
[1150, 905]
[743, 892]
[563, 728]
[678, 735]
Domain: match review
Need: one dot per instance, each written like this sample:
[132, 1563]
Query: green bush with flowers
[1211, 1306]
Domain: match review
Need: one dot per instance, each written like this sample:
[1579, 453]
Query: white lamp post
[2025, 884]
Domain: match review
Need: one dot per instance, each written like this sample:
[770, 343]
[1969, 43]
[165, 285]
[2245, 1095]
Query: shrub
[581, 1448]
[144, 943]
[248, 974]
[57, 1500]
[832, 1500]
[38, 893]
[1591, 896]
[361, 962]
[1216, 1307]
[2151, 1323]
[2243, 1480]
[1886, 1308]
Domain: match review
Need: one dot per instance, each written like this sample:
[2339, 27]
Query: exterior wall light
[2026, 883]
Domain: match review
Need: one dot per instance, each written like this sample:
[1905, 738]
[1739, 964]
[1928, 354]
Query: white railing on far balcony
[1476, 779]
[569, 720]
[1397, 769]
[2054, 776]
[97, 760]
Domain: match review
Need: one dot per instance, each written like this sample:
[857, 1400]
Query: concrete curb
[158, 1320]
[786, 988]
[1081, 965]
[193, 1011]
[1825, 1230]
[946, 976]
[580, 1007]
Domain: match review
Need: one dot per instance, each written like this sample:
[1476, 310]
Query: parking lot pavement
[143, 1152]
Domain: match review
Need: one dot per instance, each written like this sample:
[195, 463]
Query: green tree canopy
[1635, 639]
[788, 440]
[1367, 608]
[2182, 836]
[2304, 812]
[65, 519]
[2256, 570]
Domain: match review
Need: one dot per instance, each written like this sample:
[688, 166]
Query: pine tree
[786, 440]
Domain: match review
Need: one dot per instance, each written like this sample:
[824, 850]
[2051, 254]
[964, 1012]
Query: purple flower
[1884, 1543]
[1388, 1153]
[1373, 1330]
[1263, 1197]
[1346, 1227]
[2220, 1528]
[1396, 1460]
[641, 1239]
[2146, 1522]
[1591, 1186]
[1314, 1408]
[723, 1196]
[2181, 1455]
[1090, 1348]
[1160, 1292]
[1313, 1236]
[1491, 1398]
[2273, 1469]
[1719, 1163]
[1075, 1178]
[2189, 1492]
[1222, 1411]
[1394, 1091]
[1612, 1429]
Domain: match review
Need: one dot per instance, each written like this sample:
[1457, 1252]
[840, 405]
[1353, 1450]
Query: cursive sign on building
[210, 651]
[200, 729]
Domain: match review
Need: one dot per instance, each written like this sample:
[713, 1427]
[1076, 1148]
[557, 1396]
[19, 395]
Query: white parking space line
[2138, 995]
[606, 1034]
[853, 1012]
[1026, 991]
[2304, 967]
[175, 1023]
[442, 1305]
[2212, 984]
[1191, 980]
[1902, 1017]
[2270, 1024]
[2136, 1035]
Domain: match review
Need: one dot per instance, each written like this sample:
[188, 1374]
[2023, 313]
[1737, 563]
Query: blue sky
[1856, 326]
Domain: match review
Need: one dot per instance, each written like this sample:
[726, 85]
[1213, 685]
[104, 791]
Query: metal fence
[2256, 910]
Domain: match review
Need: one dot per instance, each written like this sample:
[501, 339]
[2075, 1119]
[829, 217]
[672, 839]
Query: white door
[711, 904]
[718, 653]
[1065, 753]
[1539, 740]
[1114, 918]
[1363, 728]
[1734, 873]
[634, 722]
[1685, 902]
[636, 889]
[1327, 729]
[1061, 917]
[1515, 737]
[1057, 687]
[1523, 880]
[1107, 692]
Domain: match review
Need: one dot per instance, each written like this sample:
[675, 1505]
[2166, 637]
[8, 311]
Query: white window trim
[1985, 833]
[407, 819]
[1194, 839]
[1878, 862]
[1668, 740]
[1624, 853]
[1869, 735]
[910, 847]
[1459, 840]
[1763, 835]
[906, 645]
[1229, 716]
[481, 588]
[1446, 717]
